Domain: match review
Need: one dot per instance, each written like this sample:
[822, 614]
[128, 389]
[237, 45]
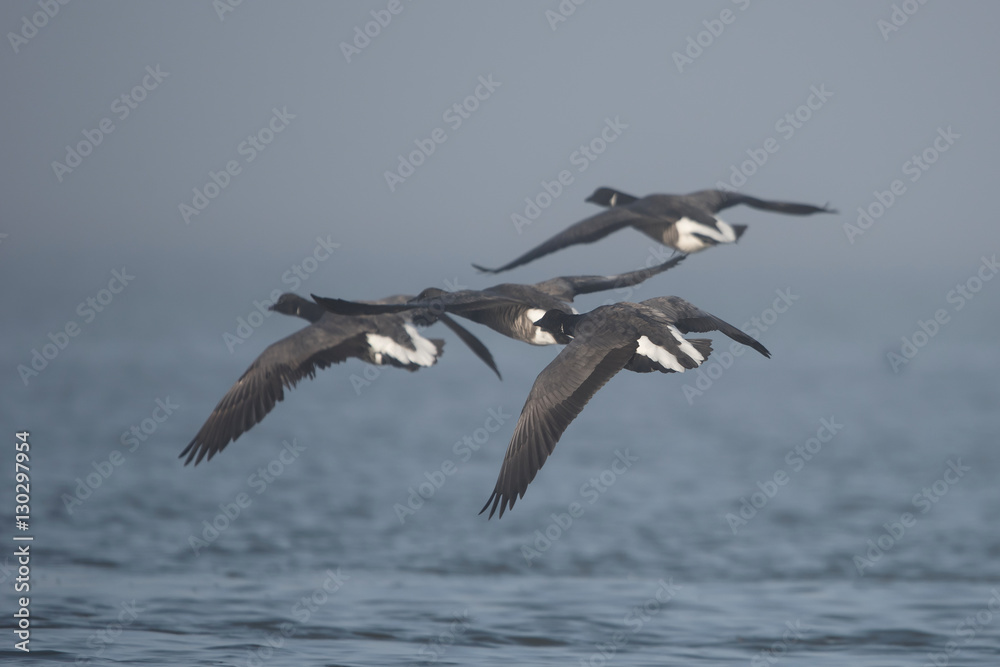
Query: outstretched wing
[257, 391]
[590, 229]
[437, 303]
[718, 200]
[689, 317]
[568, 287]
[353, 308]
[560, 392]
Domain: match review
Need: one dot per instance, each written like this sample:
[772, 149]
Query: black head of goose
[608, 197]
[641, 337]
[290, 303]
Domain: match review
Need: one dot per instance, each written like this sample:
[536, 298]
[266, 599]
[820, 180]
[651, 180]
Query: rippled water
[844, 560]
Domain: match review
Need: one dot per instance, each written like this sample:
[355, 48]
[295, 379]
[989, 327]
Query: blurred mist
[323, 174]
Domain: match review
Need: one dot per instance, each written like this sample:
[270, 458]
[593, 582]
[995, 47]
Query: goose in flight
[509, 308]
[329, 339]
[640, 337]
[684, 222]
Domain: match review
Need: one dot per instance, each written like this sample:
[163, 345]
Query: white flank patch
[661, 356]
[687, 228]
[542, 337]
[728, 233]
[425, 353]
[686, 347]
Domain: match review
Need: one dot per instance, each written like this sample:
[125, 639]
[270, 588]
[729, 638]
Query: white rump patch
[686, 347]
[687, 228]
[542, 337]
[425, 353]
[661, 356]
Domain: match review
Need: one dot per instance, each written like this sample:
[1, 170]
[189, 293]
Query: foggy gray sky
[889, 95]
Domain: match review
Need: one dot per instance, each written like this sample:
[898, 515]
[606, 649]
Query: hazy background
[324, 174]
[323, 177]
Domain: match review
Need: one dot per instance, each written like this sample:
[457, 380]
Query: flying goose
[640, 337]
[684, 222]
[329, 339]
[509, 308]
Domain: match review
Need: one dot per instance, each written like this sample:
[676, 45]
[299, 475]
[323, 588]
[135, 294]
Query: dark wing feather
[586, 231]
[392, 304]
[560, 392]
[568, 287]
[689, 317]
[718, 200]
[452, 302]
[474, 343]
[345, 307]
[257, 391]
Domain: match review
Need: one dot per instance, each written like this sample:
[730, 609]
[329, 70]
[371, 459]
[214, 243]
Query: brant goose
[684, 222]
[510, 309]
[640, 337]
[329, 339]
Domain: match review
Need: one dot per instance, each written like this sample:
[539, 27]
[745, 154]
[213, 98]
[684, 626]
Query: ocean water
[812, 509]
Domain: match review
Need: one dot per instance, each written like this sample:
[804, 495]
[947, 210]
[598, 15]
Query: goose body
[688, 223]
[640, 337]
[329, 339]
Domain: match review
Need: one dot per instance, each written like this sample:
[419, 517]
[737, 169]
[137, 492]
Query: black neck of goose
[293, 304]
[558, 323]
[569, 323]
[308, 310]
